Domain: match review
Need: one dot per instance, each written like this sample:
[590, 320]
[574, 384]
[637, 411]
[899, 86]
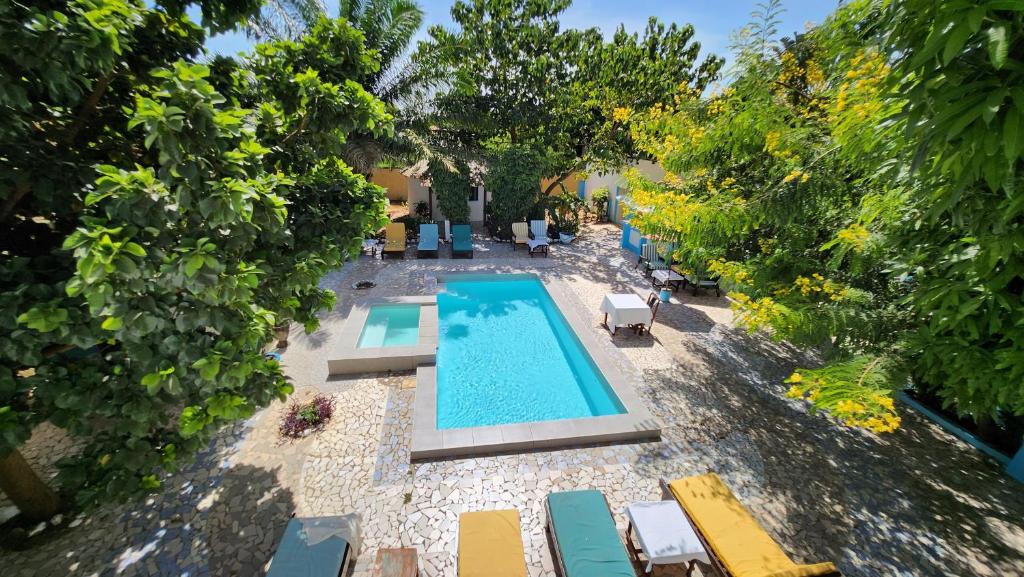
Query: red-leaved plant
[305, 417]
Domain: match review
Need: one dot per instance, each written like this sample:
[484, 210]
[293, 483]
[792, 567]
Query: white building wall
[418, 191]
[616, 183]
[476, 207]
[613, 179]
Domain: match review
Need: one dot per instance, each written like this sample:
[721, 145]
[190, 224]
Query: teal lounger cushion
[311, 547]
[428, 237]
[461, 241]
[586, 537]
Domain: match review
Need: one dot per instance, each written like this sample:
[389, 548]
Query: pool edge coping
[350, 359]
[635, 424]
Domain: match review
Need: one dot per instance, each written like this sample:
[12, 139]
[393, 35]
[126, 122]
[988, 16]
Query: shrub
[452, 190]
[412, 225]
[565, 212]
[302, 418]
[599, 200]
[513, 178]
[422, 210]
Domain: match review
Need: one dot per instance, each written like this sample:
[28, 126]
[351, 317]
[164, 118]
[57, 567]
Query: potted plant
[566, 216]
[568, 228]
[281, 334]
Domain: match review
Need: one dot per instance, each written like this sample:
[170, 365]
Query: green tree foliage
[451, 186]
[516, 75]
[388, 28]
[513, 177]
[159, 218]
[958, 69]
[858, 186]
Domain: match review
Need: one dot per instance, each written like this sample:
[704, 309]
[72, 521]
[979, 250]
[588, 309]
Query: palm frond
[350, 10]
[396, 21]
[279, 19]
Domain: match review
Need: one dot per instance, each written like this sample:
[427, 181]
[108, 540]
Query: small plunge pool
[391, 326]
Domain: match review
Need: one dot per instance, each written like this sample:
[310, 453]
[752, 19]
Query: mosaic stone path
[914, 503]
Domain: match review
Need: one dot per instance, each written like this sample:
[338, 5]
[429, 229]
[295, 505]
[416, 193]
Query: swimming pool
[507, 355]
[391, 326]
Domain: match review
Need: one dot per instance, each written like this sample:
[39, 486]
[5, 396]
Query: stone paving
[916, 502]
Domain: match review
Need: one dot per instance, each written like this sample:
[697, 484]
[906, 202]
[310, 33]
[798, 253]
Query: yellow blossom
[794, 175]
[622, 114]
[855, 236]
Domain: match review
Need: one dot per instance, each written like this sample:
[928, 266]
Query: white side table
[664, 534]
[665, 277]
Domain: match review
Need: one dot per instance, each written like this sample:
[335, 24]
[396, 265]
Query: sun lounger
[707, 282]
[520, 234]
[650, 259]
[491, 544]
[462, 241]
[316, 547]
[427, 246]
[586, 543]
[394, 243]
[737, 544]
[538, 243]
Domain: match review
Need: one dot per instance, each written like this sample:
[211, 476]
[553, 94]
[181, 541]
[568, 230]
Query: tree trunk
[34, 498]
[561, 178]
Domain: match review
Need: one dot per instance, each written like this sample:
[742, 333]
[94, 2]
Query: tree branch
[84, 112]
[299, 129]
[558, 181]
[88, 107]
[7, 206]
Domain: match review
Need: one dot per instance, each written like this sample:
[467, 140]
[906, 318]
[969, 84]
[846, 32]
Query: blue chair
[427, 246]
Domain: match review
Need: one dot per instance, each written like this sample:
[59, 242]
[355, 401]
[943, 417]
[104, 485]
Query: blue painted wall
[1016, 466]
[581, 190]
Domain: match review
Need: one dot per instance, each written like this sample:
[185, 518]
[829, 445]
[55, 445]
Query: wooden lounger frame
[716, 562]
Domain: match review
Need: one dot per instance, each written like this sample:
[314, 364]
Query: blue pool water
[507, 355]
[391, 326]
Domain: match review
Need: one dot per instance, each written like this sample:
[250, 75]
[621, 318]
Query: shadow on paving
[915, 502]
[213, 519]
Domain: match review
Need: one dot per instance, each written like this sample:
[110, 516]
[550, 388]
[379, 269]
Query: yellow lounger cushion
[520, 232]
[395, 233]
[491, 544]
[735, 537]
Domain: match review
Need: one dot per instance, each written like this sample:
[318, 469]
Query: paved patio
[916, 502]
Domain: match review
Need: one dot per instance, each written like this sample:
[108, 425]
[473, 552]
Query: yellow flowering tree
[767, 187]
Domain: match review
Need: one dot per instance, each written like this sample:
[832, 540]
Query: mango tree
[159, 218]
